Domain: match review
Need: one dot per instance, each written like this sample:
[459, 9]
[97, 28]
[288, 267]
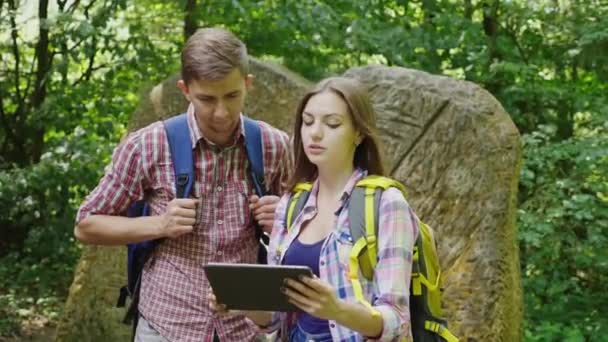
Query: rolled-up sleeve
[398, 229]
[121, 184]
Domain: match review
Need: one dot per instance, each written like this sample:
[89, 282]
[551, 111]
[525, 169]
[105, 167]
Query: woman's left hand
[314, 296]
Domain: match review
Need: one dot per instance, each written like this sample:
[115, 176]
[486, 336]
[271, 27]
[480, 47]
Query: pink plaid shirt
[388, 292]
[174, 289]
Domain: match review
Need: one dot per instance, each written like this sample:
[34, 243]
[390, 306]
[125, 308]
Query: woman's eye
[333, 124]
[307, 122]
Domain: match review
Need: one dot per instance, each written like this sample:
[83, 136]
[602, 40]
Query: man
[216, 224]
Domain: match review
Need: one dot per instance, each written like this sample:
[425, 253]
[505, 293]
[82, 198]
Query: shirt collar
[197, 136]
[357, 175]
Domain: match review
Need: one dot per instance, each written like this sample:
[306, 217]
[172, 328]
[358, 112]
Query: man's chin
[224, 129]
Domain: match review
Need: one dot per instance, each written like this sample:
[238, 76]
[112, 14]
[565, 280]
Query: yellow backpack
[425, 291]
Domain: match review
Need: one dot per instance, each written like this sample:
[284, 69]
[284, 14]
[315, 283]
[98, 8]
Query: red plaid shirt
[174, 289]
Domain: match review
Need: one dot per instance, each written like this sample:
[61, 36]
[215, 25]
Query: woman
[335, 145]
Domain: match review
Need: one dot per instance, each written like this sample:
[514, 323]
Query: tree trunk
[189, 19]
[43, 58]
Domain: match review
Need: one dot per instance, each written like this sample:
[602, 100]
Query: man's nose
[221, 110]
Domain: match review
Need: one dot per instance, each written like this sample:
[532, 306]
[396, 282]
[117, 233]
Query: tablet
[252, 286]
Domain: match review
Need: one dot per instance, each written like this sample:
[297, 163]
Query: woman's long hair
[367, 154]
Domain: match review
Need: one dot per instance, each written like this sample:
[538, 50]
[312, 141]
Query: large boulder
[273, 97]
[90, 313]
[452, 145]
[458, 154]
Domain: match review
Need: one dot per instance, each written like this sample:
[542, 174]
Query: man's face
[218, 104]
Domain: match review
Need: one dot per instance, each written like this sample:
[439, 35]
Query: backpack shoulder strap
[364, 205]
[180, 143]
[255, 154]
[363, 213]
[297, 201]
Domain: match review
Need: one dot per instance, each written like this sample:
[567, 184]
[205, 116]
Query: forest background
[71, 74]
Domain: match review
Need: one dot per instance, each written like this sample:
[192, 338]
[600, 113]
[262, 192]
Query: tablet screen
[252, 286]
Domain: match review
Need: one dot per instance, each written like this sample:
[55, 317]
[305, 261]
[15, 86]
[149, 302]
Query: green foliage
[563, 223]
[35, 278]
[544, 60]
[83, 116]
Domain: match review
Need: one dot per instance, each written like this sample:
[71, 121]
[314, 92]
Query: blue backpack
[178, 136]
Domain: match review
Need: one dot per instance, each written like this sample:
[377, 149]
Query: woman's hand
[314, 296]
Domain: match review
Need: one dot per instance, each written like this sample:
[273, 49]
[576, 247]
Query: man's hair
[368, 154]
[211, 54]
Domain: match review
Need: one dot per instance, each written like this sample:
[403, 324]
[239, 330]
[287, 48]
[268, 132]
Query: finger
[301, 299]
[253, 201]
[301, 288]
[317, 284]
[267, 225]
[189, 203]
[186, 221]
[300, 305]
[182, 212]
[268, 208]
[264, 216]
[268, 199]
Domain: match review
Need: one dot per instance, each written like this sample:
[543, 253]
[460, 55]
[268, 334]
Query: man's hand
[263, 209]
[179, 217]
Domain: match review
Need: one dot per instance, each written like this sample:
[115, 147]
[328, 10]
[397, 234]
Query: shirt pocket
[162, 181]
[233, 216]
[205, 208]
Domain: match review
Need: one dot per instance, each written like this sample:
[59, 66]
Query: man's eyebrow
[234, 92]
[200, 96]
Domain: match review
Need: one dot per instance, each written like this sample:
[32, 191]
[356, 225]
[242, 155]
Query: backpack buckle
[182, 179]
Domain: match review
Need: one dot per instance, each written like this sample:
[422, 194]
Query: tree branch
[468, 10]
[15, 49]
[89, 72]
[43, 69]
[511, 33]
[10, 135]
[490, 28]
[61, 4]
[42, 56]
[88, 7]
[73, 6]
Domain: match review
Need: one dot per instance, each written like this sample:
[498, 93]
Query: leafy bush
[40, 202]
[563, 233]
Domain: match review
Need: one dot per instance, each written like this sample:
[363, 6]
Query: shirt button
[219, 189]
[219, 253]
[322, 263]
[220, 222]
[332, 325]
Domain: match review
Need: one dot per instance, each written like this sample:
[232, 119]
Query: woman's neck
[332, 182]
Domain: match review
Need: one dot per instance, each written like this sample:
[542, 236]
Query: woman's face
[328, 133]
